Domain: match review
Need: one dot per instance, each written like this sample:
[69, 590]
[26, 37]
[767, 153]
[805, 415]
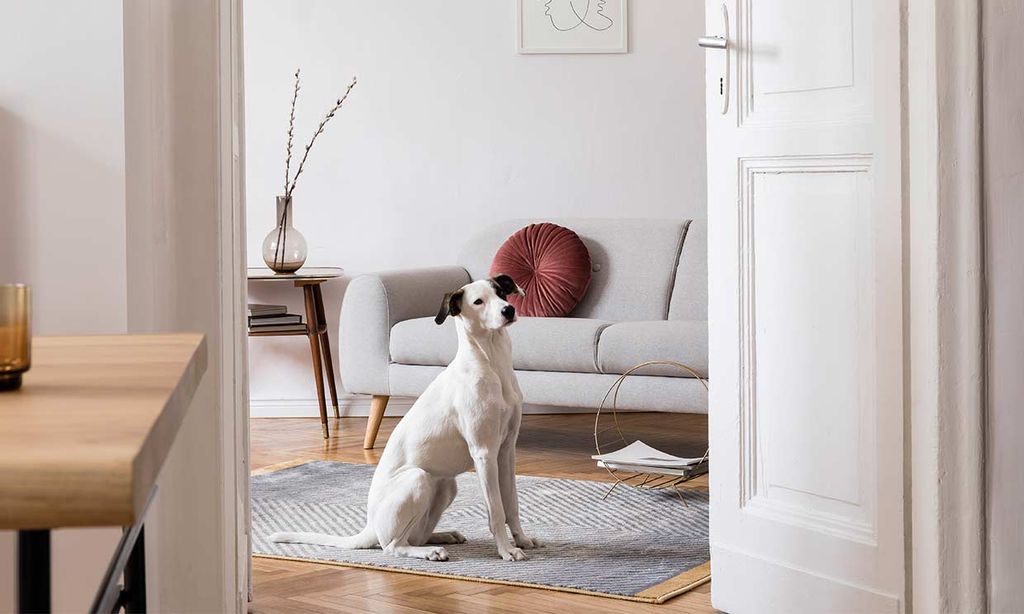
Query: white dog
[468, 417]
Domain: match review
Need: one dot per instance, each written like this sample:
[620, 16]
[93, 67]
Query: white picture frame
[571, 26]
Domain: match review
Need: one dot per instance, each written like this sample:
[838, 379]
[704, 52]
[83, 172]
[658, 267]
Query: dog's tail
[366, 538]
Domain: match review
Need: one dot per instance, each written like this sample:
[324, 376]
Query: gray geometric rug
[637, 545]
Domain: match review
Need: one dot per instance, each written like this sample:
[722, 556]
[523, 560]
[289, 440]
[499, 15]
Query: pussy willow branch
[319, 131]
[291, 132]
[282, 232]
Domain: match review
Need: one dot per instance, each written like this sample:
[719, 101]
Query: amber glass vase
[15, 335]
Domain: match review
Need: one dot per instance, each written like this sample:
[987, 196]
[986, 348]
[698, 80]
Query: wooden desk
[82, 441]
[309, 279]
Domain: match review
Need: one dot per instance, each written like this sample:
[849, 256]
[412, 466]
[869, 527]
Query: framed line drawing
[571, 26]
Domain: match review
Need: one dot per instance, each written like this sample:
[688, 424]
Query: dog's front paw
[514, 554]
[527, 543]
[437, 554]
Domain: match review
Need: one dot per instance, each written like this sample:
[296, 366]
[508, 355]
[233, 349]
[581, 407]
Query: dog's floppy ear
[506, 285]
[451, 305]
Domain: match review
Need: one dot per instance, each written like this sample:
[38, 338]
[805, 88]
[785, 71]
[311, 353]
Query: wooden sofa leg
[377, 407]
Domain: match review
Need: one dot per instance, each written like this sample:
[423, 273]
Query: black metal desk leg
[34, 571]
[135, 576]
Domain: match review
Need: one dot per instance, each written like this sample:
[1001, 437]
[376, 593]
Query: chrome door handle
[713, 42]
[721, 42]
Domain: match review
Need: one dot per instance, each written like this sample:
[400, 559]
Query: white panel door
[805, 265]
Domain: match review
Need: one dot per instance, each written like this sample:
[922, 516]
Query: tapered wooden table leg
[325, 342]
[314, 348]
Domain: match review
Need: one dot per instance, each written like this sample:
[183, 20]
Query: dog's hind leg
[402, 510]
[446, 537]
[444, 493]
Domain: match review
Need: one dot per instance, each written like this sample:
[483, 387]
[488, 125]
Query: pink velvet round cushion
[550, 263]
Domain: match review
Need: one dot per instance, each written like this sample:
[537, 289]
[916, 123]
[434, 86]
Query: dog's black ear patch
[451, 305]
[504, 285]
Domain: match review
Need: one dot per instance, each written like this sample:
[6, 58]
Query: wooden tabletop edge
[153, 454]
[109, 489]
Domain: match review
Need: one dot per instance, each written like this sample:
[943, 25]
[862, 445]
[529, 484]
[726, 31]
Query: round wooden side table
[309, 279]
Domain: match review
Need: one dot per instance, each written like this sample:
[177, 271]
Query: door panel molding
[828, 87]
[771, 491]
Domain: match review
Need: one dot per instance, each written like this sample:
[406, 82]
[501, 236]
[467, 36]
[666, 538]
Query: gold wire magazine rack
[645, 476]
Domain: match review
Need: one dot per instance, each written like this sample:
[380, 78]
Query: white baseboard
[355, 405]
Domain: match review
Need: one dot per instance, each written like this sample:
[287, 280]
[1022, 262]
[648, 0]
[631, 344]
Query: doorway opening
[437, 157]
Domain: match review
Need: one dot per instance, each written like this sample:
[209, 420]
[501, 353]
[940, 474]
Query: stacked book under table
[274, 319]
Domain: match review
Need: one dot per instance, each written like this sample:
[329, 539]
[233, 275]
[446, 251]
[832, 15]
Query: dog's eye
[478, 301]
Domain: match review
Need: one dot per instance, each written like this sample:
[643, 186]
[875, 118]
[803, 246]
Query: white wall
[1003, 96]
[62, 209]
[450, 129]
[62, 161]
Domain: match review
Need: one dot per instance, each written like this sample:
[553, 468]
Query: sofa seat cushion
[538, 344]
[627, 344]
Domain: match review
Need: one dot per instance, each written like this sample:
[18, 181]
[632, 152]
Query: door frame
[944, 304]
[233, 289]
[171, 47]
[945, 515]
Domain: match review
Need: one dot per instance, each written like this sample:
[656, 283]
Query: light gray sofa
[647, 300]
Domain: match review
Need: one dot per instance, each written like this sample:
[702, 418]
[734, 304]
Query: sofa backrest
[635, 264]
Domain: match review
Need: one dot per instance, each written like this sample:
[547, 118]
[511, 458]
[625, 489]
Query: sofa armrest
[372, 305]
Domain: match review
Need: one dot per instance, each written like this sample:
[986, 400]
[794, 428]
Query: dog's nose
[509, 312]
